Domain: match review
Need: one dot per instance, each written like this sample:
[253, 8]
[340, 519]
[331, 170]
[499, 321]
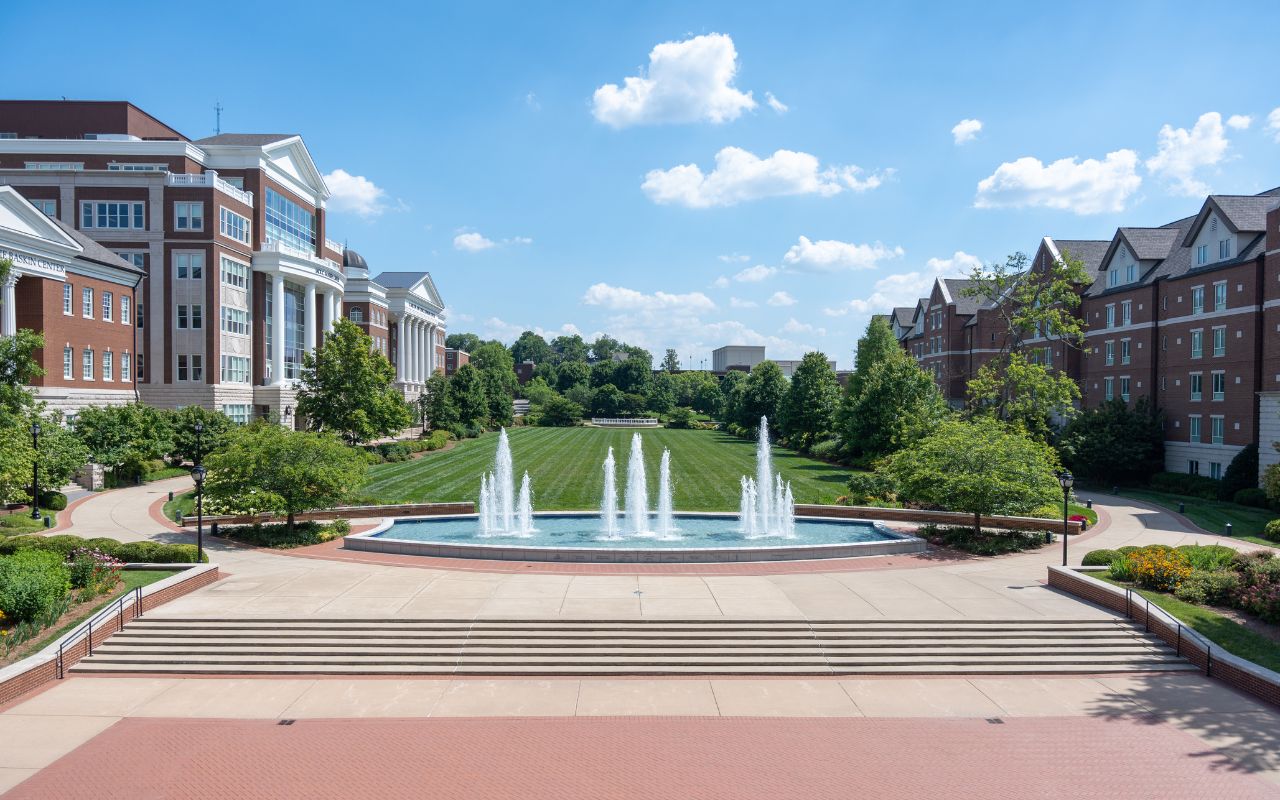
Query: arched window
[357, 314]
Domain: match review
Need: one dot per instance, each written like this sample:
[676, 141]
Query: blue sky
[489, 147]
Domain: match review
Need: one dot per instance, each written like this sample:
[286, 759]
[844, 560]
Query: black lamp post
[199, 429]
[35, 471]
[1066, 480]
[197, 475]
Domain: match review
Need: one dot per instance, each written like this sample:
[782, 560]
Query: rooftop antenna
[217, 125]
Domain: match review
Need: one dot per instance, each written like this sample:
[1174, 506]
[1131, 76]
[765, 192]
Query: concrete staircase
[528, 647]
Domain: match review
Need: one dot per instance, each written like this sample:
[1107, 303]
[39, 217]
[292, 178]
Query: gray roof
[1243, 213]
[399, 280]
[965, 304]
[249, 139]
[903, 314]
[352, 259]
[1151, 244]
[96, 252]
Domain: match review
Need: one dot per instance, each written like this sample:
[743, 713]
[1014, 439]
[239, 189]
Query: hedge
[128, 552]
[30, 583]
[1189, 485]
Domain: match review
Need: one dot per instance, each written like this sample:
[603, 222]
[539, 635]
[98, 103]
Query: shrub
[1184, 484]
[278, 536]
[827, 449]
[30, 583]
[137, 552]
[1215, 587]
[175, 554]
[1208, 557]
[1120, 568]
[1258, 590]
[1127, 549]
[63, 543]
[93, 570]
[1099, 558]
[53, 501]
[680, 417]
[1254, 498]
[1242, 473]
[1272, 530]
[1158, 567]
[393, 451]
[870, 487]
[986, 543]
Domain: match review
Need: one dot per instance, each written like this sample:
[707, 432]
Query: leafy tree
[531, 347]
[632, 375]
[662, 392]
[559, 412]
[61, 454]
[216, 424]
[1033, 303]
[875, 346]
[437, 404]
[265, 467]
[1242, 473]
[581, 394]
[466, 342]
[538, 392]
[810, 403]
[466, 394]
[671, 361]
[1115, 445]
[18, 367]
[572, 373]
[980, 466]
[706, 397]
[603, 348]
[548, 372]
[123, 438]
[348, 388]
[608, 401]
[732, 385]
[762, 395]
[570, 348]
[602, 373]
[898, 403]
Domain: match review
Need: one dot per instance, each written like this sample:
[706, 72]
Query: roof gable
[29, 227]
[1240, 213]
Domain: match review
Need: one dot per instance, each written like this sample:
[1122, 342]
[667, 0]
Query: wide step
[628, 647]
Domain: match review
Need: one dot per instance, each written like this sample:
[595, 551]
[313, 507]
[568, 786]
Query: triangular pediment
[26, 225]
[291, 157]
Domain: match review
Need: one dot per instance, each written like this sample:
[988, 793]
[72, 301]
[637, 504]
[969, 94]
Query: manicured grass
[564, 465]
[21, 522]
[1084, 511]
[184, 503]
[1212, 515]
[1231, 635]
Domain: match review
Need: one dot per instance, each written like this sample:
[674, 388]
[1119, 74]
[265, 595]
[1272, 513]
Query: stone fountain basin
[574, 537]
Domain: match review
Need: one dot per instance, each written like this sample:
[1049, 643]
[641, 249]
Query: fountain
[501, 513]
[766, 507]
[637, 500]
[666, 523]
[609, 504]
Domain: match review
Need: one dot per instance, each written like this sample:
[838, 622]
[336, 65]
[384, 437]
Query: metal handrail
[1172, 621]
[86, 628]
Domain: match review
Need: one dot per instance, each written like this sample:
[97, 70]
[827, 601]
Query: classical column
[400, 350]
[277, 329]
[309, 317]
[331, 311]
[431, 350]
[425, 359]
[411, 350]
[9, 312]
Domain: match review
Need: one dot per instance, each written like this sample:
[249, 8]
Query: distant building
[455, 358]
[736, 356]
[524, 371]
[788, 367]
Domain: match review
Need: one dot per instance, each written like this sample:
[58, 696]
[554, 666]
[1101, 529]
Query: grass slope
[565, 467]
[1212, 515]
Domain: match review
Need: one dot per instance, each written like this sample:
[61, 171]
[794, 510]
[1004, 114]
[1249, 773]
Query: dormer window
[1130, 273]
[1202, 255]
[1113, 277]
[1224, 249]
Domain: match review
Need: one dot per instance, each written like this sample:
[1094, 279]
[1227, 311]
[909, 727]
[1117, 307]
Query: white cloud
[531, 100]
[355, 193]
[776, 104]
[740, 175]
[620, 298]
[796, 326]
[966, 130]
[1273, 123]
[1182, 152]
[734, 258]
[472, 242]
[689, 81]
[1239, 122]
[497, 328]
[905, 288]
[720, 283]
[755, 274]
[829, 255]
[1084, 187]
[737, 302]
[781, 298]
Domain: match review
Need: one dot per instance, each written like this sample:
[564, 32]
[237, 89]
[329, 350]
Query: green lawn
[21, 522]
[565, 467]
[1212, 515]
[184, 502]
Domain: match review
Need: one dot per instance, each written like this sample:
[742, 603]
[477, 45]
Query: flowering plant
[1158, 567]
[93, 569]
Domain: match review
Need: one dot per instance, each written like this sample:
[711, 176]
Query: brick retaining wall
[935, 517]
[33, 672]
[1216, 663]
[342, 512]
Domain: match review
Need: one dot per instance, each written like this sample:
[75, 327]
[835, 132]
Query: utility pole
[217, 125]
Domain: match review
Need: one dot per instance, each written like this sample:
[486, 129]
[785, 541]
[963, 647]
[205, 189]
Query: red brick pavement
[654, 758]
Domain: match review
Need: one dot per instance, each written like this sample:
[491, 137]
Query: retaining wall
[341, 512]
[935, 517]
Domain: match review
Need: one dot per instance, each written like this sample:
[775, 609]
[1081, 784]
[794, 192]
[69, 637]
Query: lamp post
[199, 429]
[197, 475]
[35, 470]
[1066, 480]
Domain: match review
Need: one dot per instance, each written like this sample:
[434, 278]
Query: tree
[603, 348]
[437, 404]
[123, 438]
[183, 421]
[671, 361]
[602, 373]
[498, 376]
[466, 394]
[810, 404]
[875, 346]
[538, 392]
[559, 412]
[531, 347]
[662, 392]
[466, 342]
[608, 401]
[570, 348]
[898, 403]
[762, 394]
[1115, 445]
[732, 386]
[18, 367]
[572, 373]
[980, 466]
[633, 375]
[1242, 473]
[348, 388]
[265, 467]
[1031, 303]
[706, 397]
[61, 454]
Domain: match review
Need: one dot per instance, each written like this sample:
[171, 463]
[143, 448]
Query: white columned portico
[431, 349]
[400, 349]
[9, 312]
[422, 351]
[277, 329]
[413, 350]
[309, 317]
[330, 311]
[426, 351]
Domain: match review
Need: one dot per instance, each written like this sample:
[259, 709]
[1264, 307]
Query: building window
[1197, 300]
[1193, 467]
[120, 167]
[1219, 341]
[68, 362]
[108, 366]
[111, 214]
[235, 320]
[182, 317]
[1220, 296]
[1215, 470]
[234, 274]
[1130, 273]
[356, 315]
[142, 316]
[188, 216]
[237, 412]
[86, 364]
[126, 365]
[294, 325]
[289, 223]
[1124, 351]
[197, 315]
[138, 258]
[107, 301]
[86, 303]
[190, 367]
[1109, 353]
[1111, 316]
[1202, 254]
[1124, 389]
[74, 166]
[1113, 277]
[1224, 249]
[124, 309]
[1197, 344]
[1108, 388]
[1219, 383]
[188, 266]
[1194, 428]
[232, 225]
[1126, 312]
[1197, 385]
[235, 369]
[142, 367]
[47, 207]
[66, 299]
[190, 316]
[1216, 427]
